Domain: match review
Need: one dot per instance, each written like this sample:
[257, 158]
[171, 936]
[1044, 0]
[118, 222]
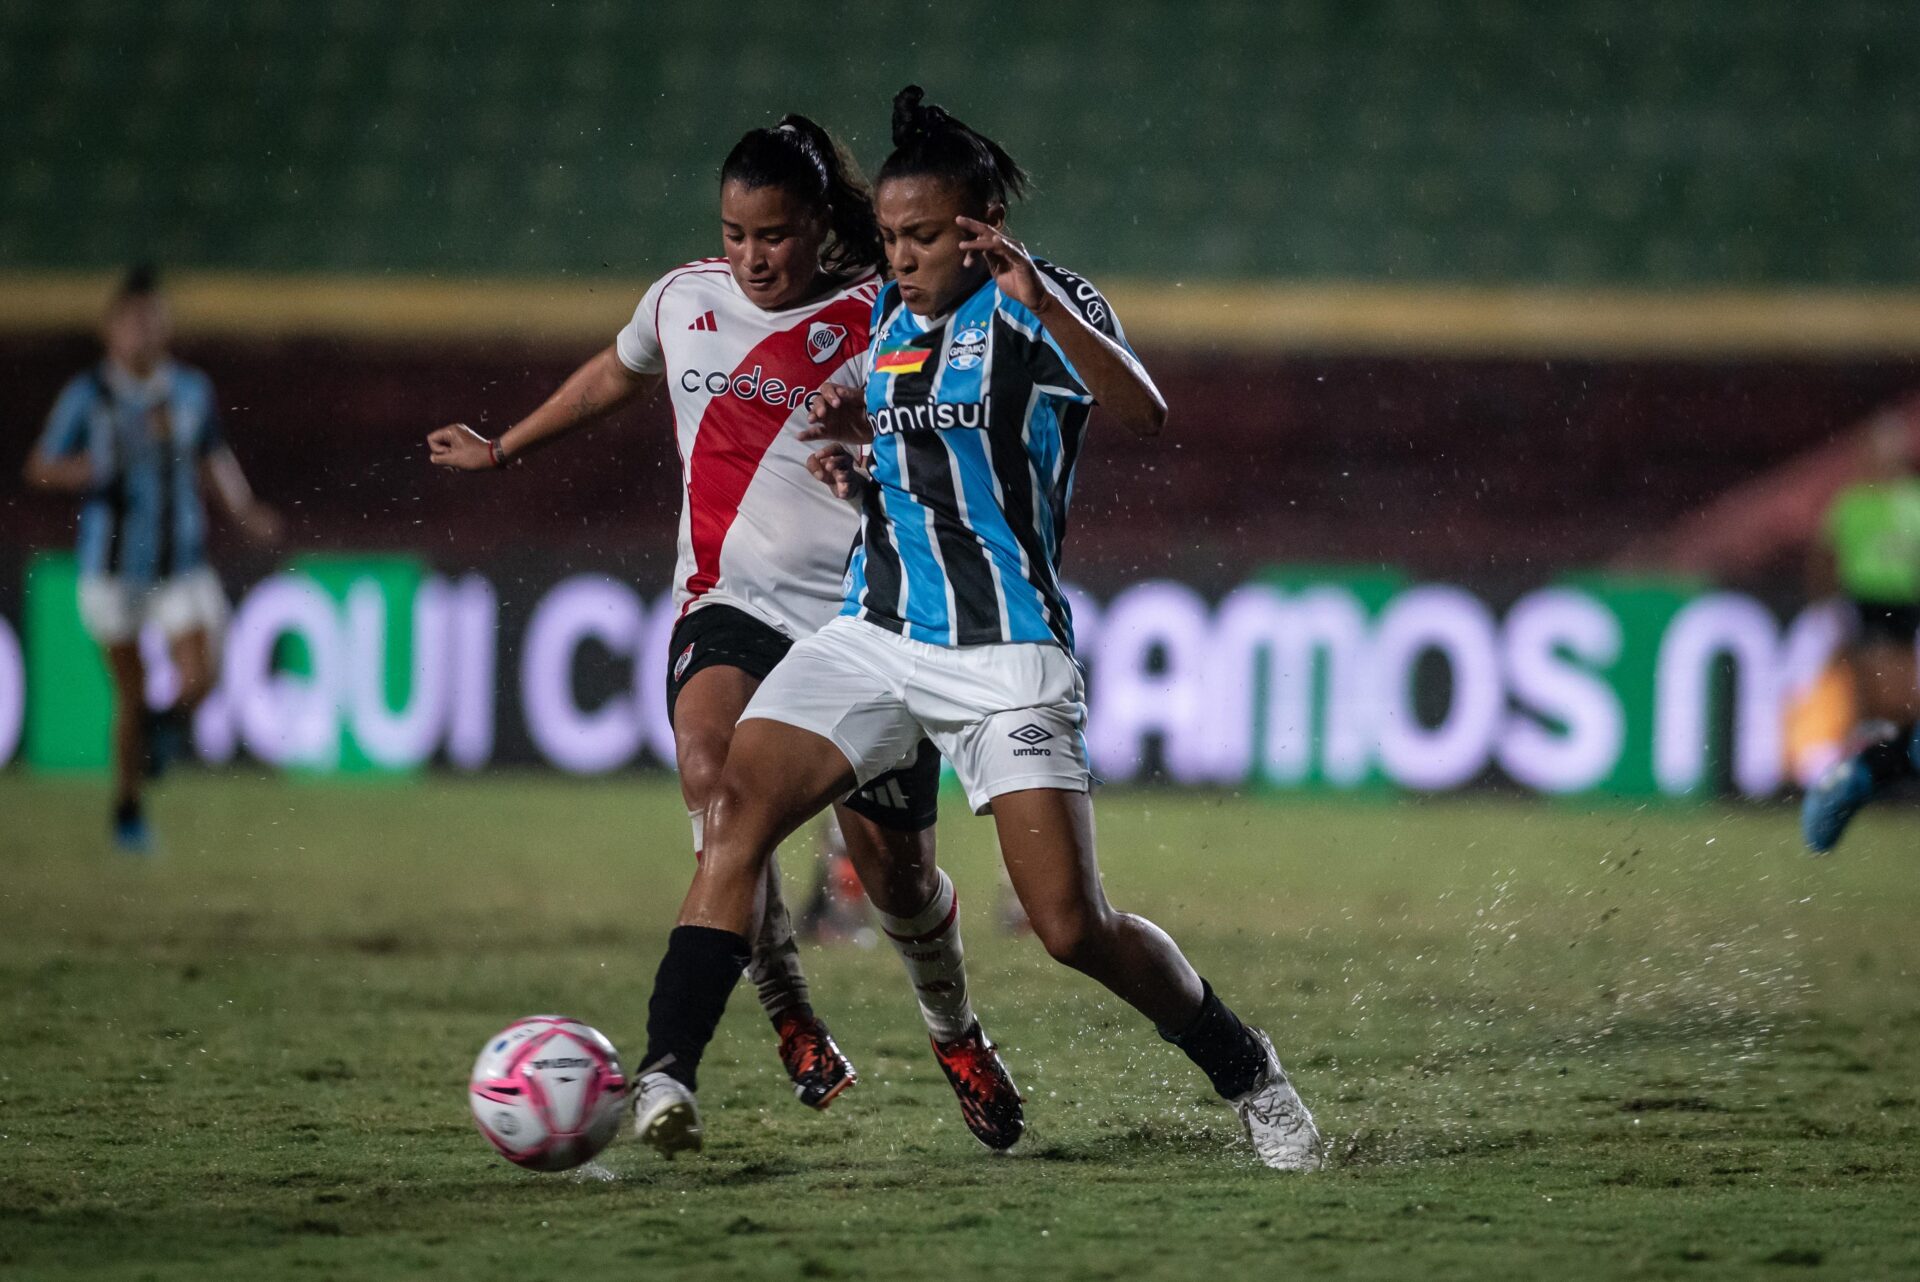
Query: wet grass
[1606, 1043]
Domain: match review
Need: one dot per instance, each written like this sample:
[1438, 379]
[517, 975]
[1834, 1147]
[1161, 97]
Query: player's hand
[838, 414]
[460, 447]
[838, 471]
[1007, 259]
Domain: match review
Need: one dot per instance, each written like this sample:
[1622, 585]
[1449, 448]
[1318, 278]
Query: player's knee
[1074, 936]
[195, 685]
[896, 868]
[734, 807]
[702, 762]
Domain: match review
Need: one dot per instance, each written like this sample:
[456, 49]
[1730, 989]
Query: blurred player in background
[1870, 554]
[138, 438]
[985, 366]
[742, 343]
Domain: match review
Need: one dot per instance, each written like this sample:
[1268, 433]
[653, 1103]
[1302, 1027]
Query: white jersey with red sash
[757, 531]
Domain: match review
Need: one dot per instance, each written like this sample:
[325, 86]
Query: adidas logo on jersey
[707, 324]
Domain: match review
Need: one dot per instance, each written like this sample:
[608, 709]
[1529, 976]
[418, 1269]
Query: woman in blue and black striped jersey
[137, 439]
[984, 367]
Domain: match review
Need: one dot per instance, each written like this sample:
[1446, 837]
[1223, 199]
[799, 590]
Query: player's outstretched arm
[1119, 382]
[221, 473]
[598, 388]
[70, 475]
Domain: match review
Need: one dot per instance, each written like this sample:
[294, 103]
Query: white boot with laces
[665, 1115]
[1279, 1125]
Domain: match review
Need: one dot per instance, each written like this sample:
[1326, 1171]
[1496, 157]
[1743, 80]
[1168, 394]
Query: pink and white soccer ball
[547, 1092]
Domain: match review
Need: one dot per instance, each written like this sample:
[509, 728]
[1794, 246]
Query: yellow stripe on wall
[1334, 317]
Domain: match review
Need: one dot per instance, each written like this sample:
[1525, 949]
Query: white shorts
[114, 610]
[1009, 716]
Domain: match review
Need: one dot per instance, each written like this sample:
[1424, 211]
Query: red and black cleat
[989, 1101]
[818, 1069]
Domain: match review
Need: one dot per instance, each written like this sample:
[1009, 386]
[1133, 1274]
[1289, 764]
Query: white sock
[775, 966]
[929, 945]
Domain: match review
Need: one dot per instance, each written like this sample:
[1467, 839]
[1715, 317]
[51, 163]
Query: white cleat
[1279, 1125]
[665, 1115]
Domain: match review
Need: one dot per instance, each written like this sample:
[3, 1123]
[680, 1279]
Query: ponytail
[929, 140]
[803, 159]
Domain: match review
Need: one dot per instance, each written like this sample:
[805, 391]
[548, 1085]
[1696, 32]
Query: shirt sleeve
[638, 343]
[213, 433]
[1052, 371]
[65, 434]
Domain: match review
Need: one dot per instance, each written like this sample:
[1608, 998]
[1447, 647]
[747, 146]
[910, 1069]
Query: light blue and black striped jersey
[978, 418]
[143, 520]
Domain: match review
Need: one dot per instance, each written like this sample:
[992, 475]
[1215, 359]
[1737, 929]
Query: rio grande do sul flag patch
[901, 360]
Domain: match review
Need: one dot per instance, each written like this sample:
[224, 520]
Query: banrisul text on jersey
[978, 420]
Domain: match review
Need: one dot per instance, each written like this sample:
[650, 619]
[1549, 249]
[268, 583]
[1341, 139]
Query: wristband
[494, 456]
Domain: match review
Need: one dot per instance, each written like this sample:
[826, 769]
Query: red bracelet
[494, 457]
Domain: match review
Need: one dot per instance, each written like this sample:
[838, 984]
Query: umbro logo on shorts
[1033, 736]
[706, 323]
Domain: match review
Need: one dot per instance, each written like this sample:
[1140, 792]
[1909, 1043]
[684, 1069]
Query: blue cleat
[131, 836]
[1832, 803]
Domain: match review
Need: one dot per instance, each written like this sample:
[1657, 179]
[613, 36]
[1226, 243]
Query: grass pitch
[1545, 1041]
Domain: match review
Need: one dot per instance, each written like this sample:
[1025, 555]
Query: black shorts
[905, 799]
[1894, 624]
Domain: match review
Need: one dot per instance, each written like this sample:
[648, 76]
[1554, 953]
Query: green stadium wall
[1722, 143]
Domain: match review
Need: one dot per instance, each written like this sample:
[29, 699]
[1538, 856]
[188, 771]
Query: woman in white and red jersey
[743, 343]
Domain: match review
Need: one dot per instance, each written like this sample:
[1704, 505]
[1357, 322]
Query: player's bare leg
[896, 868]
[1046, 841]
[776, 777]
[920, 914]
[194, 662]
[166, 729]
[128, 673]
[705, 713]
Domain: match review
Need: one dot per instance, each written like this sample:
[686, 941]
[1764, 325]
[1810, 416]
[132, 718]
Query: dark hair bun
[912, 118]
[927, 139]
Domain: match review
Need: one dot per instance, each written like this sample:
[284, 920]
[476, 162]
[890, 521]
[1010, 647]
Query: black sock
[690, 993]
[1892, 759]
[1221, 1045]
[803, 1010]
[127, 811]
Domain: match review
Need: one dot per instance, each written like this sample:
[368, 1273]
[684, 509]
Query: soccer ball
[547, 1092]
